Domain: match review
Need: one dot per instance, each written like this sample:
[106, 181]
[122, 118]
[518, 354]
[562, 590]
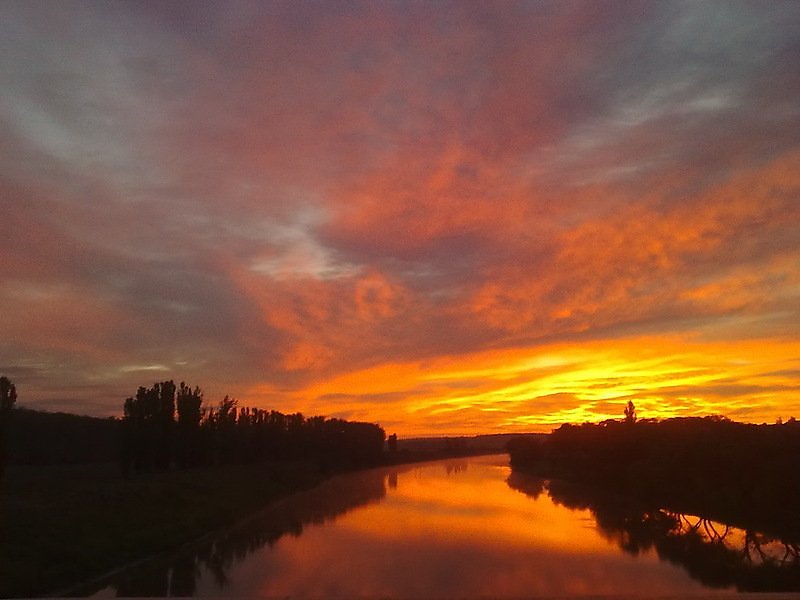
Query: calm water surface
[454, 529]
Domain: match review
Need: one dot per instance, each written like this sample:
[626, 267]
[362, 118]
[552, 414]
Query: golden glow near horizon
[537, 390]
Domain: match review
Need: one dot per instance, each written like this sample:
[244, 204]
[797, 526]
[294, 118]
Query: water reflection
[716, 554]
[450, 529]
[178, 574]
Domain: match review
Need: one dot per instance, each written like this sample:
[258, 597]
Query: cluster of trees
[167, 425]
[707, 465]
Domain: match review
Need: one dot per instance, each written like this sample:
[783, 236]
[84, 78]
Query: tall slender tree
[8, 396]
[630, 413]
[148, 426]
[190, 413]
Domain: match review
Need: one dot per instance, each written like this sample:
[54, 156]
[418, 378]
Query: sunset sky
[447, 218]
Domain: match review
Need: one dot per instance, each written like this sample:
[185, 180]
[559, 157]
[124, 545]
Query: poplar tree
[8, 396]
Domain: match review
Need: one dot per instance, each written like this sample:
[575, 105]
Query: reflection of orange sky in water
[472, 508]
[538, 389]
[460, 534]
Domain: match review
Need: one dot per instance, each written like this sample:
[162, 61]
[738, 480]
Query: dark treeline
[433, 448]
[167, 425]
[715, 554]
[734, 472]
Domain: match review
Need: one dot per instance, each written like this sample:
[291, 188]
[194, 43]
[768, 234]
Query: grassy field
[60, 526]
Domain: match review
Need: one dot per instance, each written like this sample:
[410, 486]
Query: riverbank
[62, 525]
[742, 474]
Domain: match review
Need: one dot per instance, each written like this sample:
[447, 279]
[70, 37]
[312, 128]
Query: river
[463, 528]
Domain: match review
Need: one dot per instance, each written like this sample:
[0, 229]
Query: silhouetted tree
[630, 413]
[229, 433]
[148, 427]
[223, 424]
[165, 402]
[190, 413]
[391, 442]
[8, 396]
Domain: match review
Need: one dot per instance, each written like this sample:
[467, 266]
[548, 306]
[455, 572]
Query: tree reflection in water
[178, 574]
[454, 467]
[713, 553]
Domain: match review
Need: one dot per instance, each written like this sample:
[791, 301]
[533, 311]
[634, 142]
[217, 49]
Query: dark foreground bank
[63, 524]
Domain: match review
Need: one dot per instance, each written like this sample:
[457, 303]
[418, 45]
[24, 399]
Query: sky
[443, 217]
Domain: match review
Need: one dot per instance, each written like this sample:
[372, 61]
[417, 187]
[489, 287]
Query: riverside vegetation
[642, 477]
[712, 466]
[166, 473]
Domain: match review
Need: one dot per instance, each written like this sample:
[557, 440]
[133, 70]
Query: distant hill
[45, 438]
[478, 444]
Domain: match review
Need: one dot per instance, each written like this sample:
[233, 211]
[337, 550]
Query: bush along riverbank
[741, 474]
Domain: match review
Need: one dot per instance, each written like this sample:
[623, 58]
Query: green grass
[62, 525]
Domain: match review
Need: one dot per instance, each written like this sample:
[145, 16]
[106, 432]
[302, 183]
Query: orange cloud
[444, 218]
